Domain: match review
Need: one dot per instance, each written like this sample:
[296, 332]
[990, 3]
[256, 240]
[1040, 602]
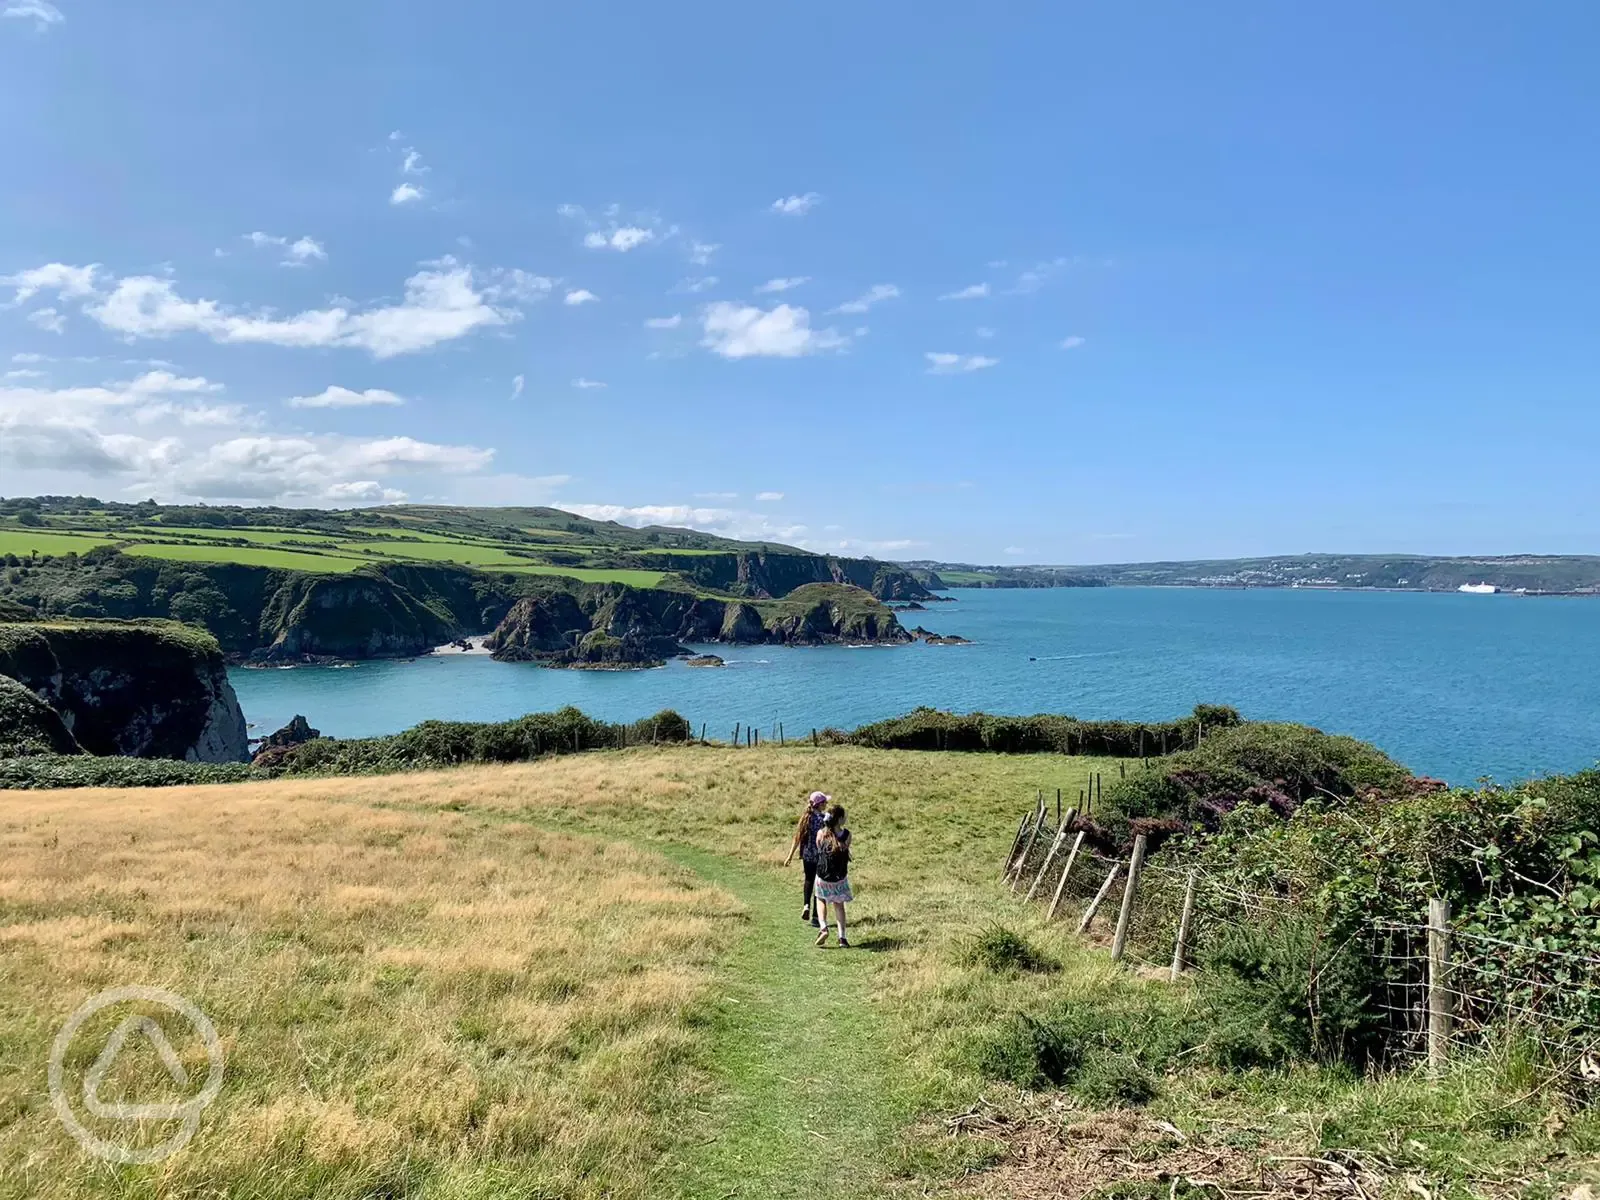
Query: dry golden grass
[406, 998]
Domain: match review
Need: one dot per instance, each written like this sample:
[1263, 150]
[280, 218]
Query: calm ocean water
[1454, 686]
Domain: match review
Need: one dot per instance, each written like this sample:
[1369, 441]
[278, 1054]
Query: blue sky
[1005, 283]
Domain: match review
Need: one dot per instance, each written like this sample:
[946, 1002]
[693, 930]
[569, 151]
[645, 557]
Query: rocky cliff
[148, 689]
[614, 625]
[772, 575]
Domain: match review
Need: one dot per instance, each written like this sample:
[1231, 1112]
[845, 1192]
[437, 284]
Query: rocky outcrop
[30, 726]
[768, 576]
[705, 660]
[142, 689]
[275, 747]
[621, 626]
[352, 616]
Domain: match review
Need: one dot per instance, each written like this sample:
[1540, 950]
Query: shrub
[931, 729]
[999, 948]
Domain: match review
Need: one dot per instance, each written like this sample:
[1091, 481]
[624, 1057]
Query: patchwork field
[585, 977]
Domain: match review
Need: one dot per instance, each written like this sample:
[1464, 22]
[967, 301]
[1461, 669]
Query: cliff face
[614, 625]
[352, 616]
[30, 726]
[769, 576]
[146, 690]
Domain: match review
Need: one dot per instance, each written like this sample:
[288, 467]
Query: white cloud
[671, 322]
[49, 320]
[43, 13]
[516, 386]
[1035, 276]
[769, 495]
[338, 397]
[1072, 343]
[513, 283]
[702, 283]
[67, 282]
[976, 291]
[749, 526]
[26, 357]
[580, 296]
[412, 163]
[585, 385]
[957, 364]
[297, 253]
[887, 546]
[745, 331]
[622, 238]
[984, 331]
[796, 206]
[700, 252]
[873, 295]
[26, 373]
[781, 285]
[363, 491]
[442, 302]
[716, 495]
[1013, 551]
[405, 193]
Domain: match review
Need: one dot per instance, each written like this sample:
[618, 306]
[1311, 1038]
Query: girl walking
[805, 841]
[833, 873]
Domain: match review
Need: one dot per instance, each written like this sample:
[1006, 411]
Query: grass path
[807, 1098]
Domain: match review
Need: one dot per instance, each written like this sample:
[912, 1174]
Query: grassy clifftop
[150, 689]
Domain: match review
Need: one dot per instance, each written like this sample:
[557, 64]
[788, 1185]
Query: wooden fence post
[1099, 897]
[1072, 857]
[736, 733]
[1027, 849]
[1050, 857]
[781, 742]
[1011, 855]
[1119, 943]
[813, 736]
[1441, 1000]
[1180, 952]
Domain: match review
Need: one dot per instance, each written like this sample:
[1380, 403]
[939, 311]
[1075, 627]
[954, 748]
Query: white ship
[1478, 589]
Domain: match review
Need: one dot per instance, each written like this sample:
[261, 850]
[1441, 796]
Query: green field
[23, 542]
[254, 556]
[260, 537]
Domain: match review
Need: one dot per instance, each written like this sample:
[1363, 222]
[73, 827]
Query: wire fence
[1437, 987]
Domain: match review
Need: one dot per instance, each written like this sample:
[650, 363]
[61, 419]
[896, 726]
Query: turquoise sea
[1454, 686]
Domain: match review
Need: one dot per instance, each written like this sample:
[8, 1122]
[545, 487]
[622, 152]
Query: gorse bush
[450, 743]
[931, 729]
[430, 744]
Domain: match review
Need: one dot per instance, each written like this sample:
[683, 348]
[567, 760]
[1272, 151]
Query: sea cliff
[144, 690]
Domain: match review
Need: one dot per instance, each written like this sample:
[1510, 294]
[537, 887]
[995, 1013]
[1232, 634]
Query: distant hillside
[1533, 574]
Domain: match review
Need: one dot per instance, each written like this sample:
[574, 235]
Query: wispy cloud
[338, 397]
[700, 252]
[957, 364]
[796, 206]
[42, 12]
[703, 283]
[580, 296]
[517, 382]
[671, 322]
[781, 285]
[976, 291]
[716, 495]
[876, 293]
[49, 320]
[443, 301]
[745, 331]
[1036, 276]
[769, 495]
[406, 193]
[621, 238]
[1072, 343]
[585, 385]
[298, 253]
[984, 331]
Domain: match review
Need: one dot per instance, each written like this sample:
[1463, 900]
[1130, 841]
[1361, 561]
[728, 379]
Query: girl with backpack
[805, 841]
[833, 872]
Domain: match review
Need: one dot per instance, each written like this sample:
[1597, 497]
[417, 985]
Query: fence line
[1440, 985]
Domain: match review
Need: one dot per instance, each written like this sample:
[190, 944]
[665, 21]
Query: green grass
[471, 554]
[255, 556]
[23, 542]
[960, 577]
[260, 537]
[628, 575]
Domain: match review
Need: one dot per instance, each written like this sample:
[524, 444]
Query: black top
[832, 867]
